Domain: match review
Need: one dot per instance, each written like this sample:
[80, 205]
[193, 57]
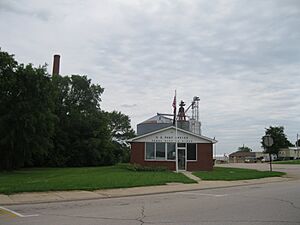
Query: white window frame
[165, 152]
[155, 159]
[185, 155]
[145, 155]
[194, 160]
[170, 160]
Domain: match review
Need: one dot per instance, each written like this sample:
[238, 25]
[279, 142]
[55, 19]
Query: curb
[188, 189]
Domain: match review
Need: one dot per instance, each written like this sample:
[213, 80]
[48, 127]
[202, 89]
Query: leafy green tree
[82, 137]
[55, 120]
[297, 143]
[26, 118]
[121, 130]
[59, 154]
[119, 126]
[279, 138]
[244, 149]
[8, 66]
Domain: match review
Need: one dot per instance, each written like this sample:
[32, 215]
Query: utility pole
[297, 145]
[215, 149]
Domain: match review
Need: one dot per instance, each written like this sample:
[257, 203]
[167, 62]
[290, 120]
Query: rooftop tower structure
[184, 121]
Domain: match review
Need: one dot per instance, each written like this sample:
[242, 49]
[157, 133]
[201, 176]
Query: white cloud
[240, 57]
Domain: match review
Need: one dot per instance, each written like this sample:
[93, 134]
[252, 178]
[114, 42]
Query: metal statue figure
[181, 112]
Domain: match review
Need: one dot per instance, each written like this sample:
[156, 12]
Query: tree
[82, 136]
[56, 121]
[297, 143]
[26, 118]
[244, 149]
[279, 138]
[119, 126]
[121, 130]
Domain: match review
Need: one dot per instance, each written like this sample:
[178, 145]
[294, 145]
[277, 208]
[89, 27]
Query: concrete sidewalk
[55, 196]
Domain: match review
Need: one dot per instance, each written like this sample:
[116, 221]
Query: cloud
[243, 62]
[22, 9]
[128, 105]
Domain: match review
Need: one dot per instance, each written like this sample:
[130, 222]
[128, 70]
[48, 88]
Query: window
[150, 148]
[191, 151]
[160, 151]
[181, 144]
[171, 151]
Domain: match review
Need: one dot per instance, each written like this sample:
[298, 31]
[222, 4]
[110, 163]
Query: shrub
[137, 167]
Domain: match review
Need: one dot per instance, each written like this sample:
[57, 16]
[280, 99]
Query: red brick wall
[137, 152]
[204, 158]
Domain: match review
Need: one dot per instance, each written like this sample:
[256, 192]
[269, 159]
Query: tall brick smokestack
[56, 62]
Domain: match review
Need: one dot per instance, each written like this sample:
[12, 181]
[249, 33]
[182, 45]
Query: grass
[297, 161]
[220, 173]
[86, 178]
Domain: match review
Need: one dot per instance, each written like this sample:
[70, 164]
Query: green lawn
[87, 178]
[220, 173]
[297, 161]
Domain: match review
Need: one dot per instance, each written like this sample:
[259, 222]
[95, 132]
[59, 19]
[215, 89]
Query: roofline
[173, 127]
[153, 123]
[145, 121]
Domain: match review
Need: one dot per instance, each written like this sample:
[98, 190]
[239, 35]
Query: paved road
[273, 203]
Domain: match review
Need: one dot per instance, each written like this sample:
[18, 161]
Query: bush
[137, 167]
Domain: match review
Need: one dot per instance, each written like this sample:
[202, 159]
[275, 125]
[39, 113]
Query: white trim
[155, 159]
[196, 153]
[171, 160]
[185, 158]
[145, 154]
[166, 152]
[172, 127]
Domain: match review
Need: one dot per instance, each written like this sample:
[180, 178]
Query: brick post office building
[195, 152]
[155, 144]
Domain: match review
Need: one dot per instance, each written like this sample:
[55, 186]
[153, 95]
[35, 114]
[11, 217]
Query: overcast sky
[242, 58]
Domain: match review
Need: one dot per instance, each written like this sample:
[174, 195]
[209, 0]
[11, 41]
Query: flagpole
[176, 149]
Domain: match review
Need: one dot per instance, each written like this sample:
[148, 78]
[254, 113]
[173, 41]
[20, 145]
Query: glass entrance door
[181, 159]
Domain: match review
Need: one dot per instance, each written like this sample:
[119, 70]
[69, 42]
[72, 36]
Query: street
[272, 203]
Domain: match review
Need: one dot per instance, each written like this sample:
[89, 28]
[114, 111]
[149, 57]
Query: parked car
[250, 160]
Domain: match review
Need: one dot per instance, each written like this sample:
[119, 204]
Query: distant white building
[289, 153]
